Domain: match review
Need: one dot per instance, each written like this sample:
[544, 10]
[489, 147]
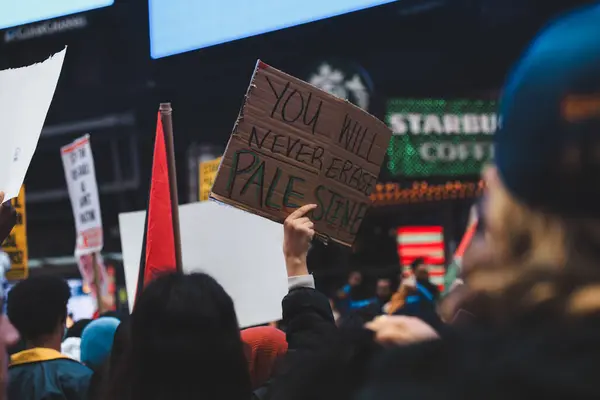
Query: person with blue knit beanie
[97, 340]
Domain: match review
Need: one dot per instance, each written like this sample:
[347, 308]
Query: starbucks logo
[344, 82]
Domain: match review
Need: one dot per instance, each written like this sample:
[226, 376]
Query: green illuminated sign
[440, 137]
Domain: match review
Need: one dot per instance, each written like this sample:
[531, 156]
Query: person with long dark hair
[184, 344]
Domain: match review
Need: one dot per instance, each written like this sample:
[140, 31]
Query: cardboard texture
[294, 144]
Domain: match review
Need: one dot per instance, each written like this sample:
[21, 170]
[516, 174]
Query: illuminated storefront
[431, 176]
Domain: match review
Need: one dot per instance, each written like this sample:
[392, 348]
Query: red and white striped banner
[423, 242]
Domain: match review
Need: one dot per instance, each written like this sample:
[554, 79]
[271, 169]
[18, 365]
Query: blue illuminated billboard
[21, 12]
[178, 26]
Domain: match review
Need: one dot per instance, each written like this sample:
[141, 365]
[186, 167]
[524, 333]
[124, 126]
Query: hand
[409, 284]
[298, 231]
[401, 330]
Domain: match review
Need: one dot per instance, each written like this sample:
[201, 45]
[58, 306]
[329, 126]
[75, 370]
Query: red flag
[466, 240]
[469, 233]
[158, 254]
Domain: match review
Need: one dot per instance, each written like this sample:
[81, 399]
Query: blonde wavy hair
[528, 242]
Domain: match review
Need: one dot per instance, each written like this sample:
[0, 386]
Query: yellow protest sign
[207, 174]
[15, 244]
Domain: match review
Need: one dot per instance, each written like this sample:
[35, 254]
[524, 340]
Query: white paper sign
[25, 97]
[80, 173]
[242, 251]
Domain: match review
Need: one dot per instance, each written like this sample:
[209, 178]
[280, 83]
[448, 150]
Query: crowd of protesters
[413, 294]
[521, 321]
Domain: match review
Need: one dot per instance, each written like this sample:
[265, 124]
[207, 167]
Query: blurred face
[355, 279]
[384, 289]
[478, 254]
[8, 337]
[501, 217]
[421, 272]
[492, 206]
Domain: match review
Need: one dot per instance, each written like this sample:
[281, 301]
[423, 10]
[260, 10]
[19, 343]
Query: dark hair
[112, 374]
[116, 381]
[417, 263]
[336, 369]
[36, 306]
[185, 342]
[360, 348]
[77, 329]
[121, 344]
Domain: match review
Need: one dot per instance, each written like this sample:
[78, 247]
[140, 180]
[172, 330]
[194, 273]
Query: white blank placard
[25, 97]
[242, 251]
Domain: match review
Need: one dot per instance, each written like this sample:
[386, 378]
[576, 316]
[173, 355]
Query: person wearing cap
[264, 347]
[96, 346]
[96, 341]
[542, 211]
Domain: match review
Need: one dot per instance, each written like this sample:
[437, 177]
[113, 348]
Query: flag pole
[167, 121]
[140, 282]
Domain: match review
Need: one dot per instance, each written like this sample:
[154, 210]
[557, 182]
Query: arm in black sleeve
[312, 337]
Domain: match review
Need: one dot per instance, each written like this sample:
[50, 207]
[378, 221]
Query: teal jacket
[46, 374]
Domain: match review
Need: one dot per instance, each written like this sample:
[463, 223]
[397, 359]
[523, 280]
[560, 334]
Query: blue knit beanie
[97, 340]
[548, 145]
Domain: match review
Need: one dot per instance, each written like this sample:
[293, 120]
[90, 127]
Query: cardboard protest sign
[294, 144]
[206, 175]
[80, 174]
[15, 244]
[25, 97]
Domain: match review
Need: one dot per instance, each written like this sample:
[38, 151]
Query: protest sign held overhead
[25, 97]
[294, 144]
[15, 245]
[207, 174]
[80, 174]
[251, 275]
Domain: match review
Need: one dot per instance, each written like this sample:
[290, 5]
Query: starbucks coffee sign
[440, 137]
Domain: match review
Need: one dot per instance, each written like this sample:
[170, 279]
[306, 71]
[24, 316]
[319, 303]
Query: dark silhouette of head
[355, 278]
[384, 289]
[185, 342]
[419, 269]
[121, 345]
[37, 307]
[77, 329]
[111, 380]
